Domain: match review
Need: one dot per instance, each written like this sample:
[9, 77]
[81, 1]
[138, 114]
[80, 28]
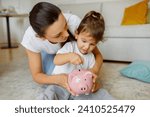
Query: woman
[48, 30]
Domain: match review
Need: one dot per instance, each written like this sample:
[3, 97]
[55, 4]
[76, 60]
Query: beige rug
[122, 87]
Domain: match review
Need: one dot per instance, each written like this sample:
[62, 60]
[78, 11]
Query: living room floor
[16, 80]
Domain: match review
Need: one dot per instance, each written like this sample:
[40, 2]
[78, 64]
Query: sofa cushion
[148, 16]
[113, 11]
[128, 31]
[135, 14]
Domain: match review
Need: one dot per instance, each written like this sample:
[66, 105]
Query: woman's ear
[76, 34]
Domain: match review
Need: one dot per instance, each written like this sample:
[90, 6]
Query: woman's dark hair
[94, 24]
[43, 15]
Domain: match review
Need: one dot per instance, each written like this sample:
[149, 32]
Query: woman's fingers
[68, 88]
[93, 88]
[94, 78]
[96, 87]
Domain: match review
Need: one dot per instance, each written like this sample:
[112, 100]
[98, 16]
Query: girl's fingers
[82, 61]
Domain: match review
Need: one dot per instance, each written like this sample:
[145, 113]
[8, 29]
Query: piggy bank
[80, 81]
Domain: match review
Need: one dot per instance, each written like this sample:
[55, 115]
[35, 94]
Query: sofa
[121, 43]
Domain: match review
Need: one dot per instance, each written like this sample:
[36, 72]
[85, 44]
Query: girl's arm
[61, 59]
[71, 57]
[35, 65]
[98, 61]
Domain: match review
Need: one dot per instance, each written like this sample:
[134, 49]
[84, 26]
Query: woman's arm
[98, 61]
[96, 68]
[35, 65]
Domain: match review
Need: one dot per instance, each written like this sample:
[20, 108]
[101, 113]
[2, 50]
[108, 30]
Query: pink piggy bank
[80, 81]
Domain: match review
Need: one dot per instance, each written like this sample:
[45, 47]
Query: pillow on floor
[139, 70]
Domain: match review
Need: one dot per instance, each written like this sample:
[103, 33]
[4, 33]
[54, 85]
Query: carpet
[16, 82]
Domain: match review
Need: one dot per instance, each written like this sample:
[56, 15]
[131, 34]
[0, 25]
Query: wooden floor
[8, 56]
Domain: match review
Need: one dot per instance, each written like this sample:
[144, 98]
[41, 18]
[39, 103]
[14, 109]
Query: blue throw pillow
[139, 70]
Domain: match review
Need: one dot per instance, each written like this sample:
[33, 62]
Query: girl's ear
[76, 34]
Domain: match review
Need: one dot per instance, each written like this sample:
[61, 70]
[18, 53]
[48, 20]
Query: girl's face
[57, 32]
[85, 42]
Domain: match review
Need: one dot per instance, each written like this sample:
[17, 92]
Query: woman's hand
[75, 59]
[63, 81]
[96, 85]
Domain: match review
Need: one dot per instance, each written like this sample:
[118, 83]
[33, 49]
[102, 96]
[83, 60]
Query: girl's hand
[75, 59]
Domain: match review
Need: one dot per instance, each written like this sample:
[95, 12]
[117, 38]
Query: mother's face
[57, 32]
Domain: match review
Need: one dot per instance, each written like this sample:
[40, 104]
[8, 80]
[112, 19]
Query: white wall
[1, 25]
[72, 1]
[19, 25]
